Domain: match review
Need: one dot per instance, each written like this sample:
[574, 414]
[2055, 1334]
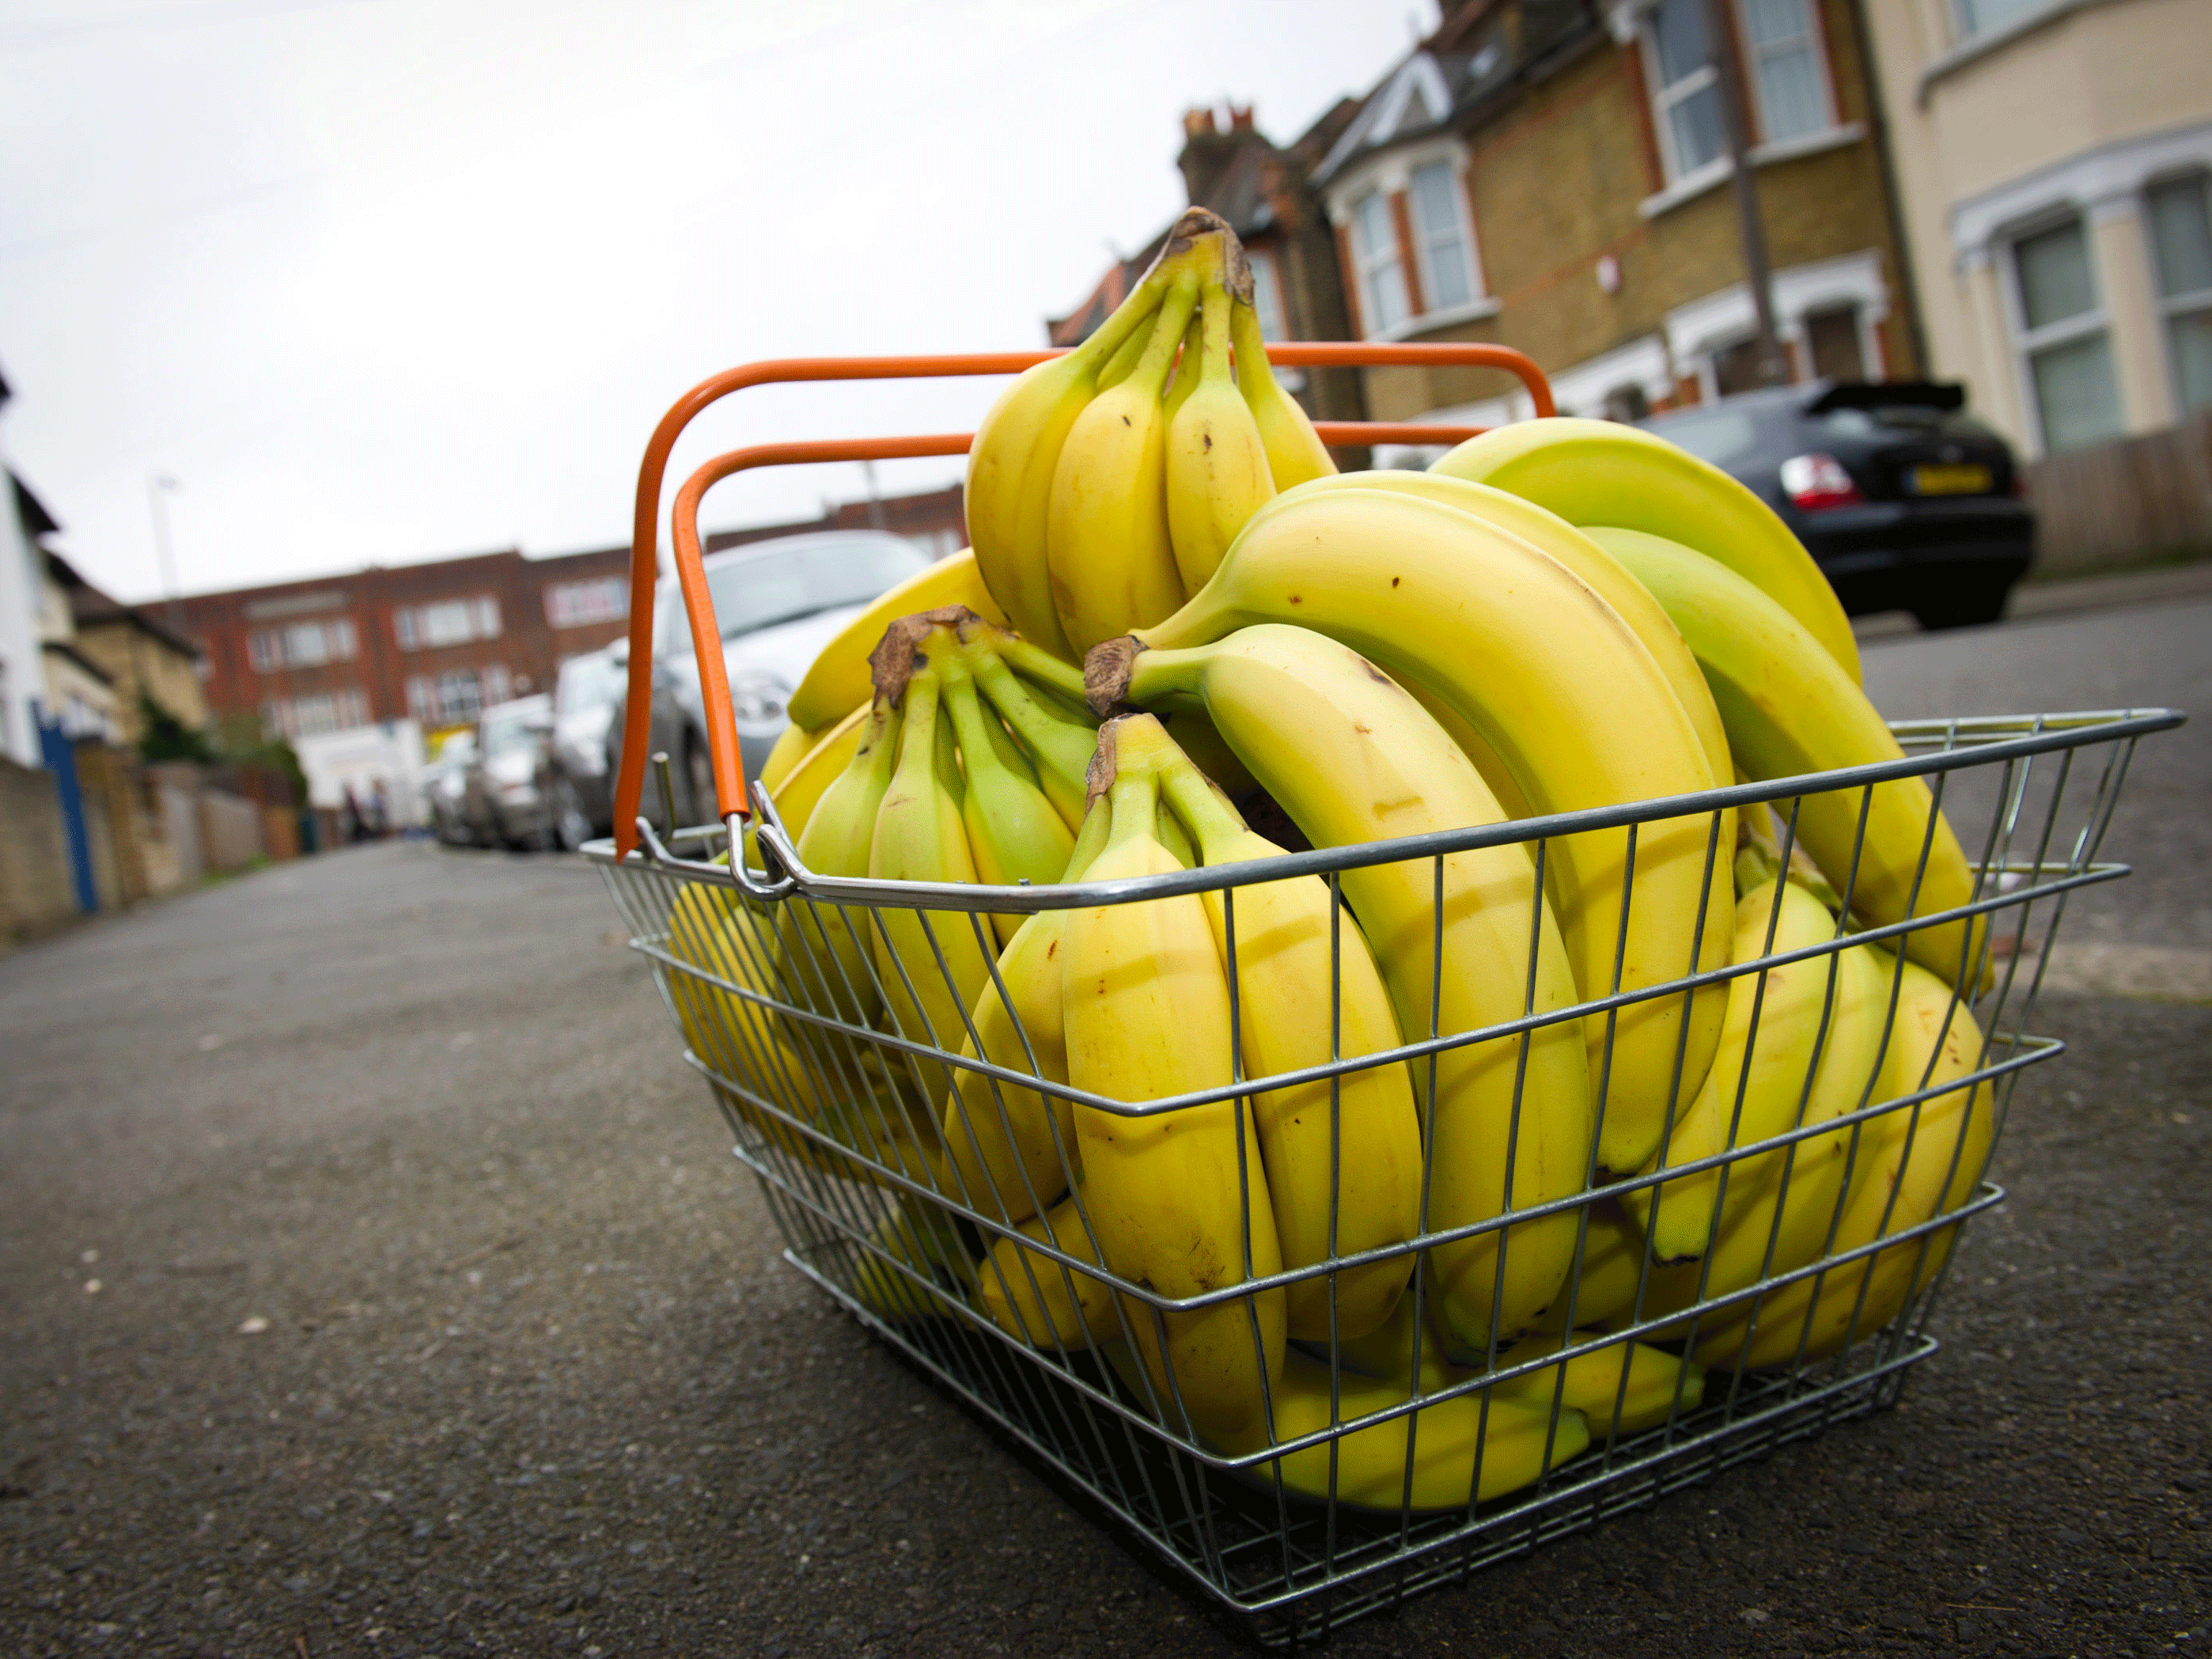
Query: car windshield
[779, 585]
[1718, 437]
[504, 733]
[590, 682]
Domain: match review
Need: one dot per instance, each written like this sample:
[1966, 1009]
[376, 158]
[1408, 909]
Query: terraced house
[1554, 175]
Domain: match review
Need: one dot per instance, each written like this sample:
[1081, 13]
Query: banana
[919, 1237]
[1014, 1149]
[1405, 1346]
[1623, 1388]
[839, 678]
[1047, 1304]
[1912, 1164]
[932, 964]
[1343, 1155]
[1545, 671]
[1217, 464]
[1777, 1024]
[1465, 1451]
[1547, 532]
[1178, 1201]
[1353, 759]
[1184, 380]
[1058, 742]
[1791, 709]
[1106, 528]
[797, 793]
[1600, 472]
[815, 943]
[1014, 834]
[1295, 450]
[790, 748]
[1608, 1274]
[1016, 455]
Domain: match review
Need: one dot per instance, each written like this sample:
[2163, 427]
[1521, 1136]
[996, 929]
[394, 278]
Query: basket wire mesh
[832, 1115]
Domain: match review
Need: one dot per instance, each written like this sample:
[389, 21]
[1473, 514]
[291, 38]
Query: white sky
[386, 280]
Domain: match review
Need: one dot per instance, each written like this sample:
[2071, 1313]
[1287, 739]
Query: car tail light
[2020, 483]
[1815, 483]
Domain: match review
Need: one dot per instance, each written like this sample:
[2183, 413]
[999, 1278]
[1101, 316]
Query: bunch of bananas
[1263, 1102]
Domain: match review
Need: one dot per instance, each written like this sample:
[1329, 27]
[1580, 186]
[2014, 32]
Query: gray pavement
[378, 1280]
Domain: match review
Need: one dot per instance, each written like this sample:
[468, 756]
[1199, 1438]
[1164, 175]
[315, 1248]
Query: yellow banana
[1353, 759]
[1014, 1149]
[790, 748]
[840, 678]
[1217, 464]
[800, 789]
[1600, 472]
[1295, 450]
[1058, 742]
[1611, 1267]
[1106, 532]
[1544, 670]
[1343, 1155]
[932, 963]
[1028, 1295]
[1408, 1344]
[816, 944]
[1789, 709]
[1911, 1164]
[919, 1237]
[1178, 1201]
[1013, 833]
[1622, 1389]
[1016, 455]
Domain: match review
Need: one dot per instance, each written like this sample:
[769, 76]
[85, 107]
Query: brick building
[434, 643]
[1552, 176]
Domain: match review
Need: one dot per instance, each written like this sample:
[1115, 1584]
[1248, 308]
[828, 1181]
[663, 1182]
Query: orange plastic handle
[690, 572]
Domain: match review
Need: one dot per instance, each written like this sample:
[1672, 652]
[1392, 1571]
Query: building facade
[2054, 164]
[434, 643]
[1552, 175]
[144, 661]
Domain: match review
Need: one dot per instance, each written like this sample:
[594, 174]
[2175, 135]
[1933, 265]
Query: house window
[1383, 300]
[458, 697]
[447, 621]
[1684, 91]
[2181, 238]
[1783, 42]
[1441, 238]
[301, 644]
[1831, 339]
[312, 716]
[578, 605]
[1985, 16]
[2062, 340]
[1268, 296]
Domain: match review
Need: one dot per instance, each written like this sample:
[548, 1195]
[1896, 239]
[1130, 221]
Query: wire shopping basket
[958, 1265]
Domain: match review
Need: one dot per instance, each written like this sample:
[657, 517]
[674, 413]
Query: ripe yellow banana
[790, 748]
[1028, 1295]
[1407, 1345]
[1353, 759]
[1014, 1149]
[1600, 472]
[1106, 531]
[932, 964]
[820, 952]
[1776, 1027]
[1611, 1267]
[1623, 1389]
[1544, 669]
[1178, 1201]
[840, 678]
[1343, 1155]
[1295, 450]
[1217, 464]
[1017, 452]
[916, 1238]
[1789, 709]
[1911, 1164]
[804, 782]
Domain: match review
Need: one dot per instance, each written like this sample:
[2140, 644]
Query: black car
[1905, 501]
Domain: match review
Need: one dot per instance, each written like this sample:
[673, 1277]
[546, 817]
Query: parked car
[445, 788]
[1905, 501]
[509, 798]
[586, 695]
[777, 603]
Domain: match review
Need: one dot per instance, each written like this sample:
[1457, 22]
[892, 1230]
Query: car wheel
[1975, 609]
[571, 828]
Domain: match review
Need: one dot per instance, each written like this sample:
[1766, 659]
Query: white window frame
[1463, 221]
[1665, 95]
[1367, 264]
[1267, 286]
[2027, 342]
[1818, 37]
[2172, 307]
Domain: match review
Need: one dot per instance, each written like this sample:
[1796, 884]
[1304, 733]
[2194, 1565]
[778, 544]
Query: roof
[36, 520]
[63, 648]
[90, 607]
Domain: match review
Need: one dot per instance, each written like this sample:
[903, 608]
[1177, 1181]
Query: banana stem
[1194, 799]
[1030, 661]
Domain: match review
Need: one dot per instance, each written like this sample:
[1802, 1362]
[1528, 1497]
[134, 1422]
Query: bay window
[1384, 303]
[2062, 339]
[1442, 241]
[2180, 218]
[1684, 91]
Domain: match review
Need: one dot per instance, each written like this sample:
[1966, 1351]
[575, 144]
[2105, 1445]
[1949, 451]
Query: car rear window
[1894, 419]
[1719, 437]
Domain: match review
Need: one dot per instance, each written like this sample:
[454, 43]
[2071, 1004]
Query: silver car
[585, 696]
[510, 783]
[445, 785]
[777, 603]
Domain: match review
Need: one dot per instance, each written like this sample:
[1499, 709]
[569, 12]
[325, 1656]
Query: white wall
[21, 671]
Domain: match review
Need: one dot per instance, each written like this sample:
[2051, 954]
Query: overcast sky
[386, 279]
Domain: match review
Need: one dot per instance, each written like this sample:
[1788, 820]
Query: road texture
[378, 1281]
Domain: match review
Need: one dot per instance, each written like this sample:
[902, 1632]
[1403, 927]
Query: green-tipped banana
[1217, 464]
[1014, 834]
[1058, 741]
[816, 944]
[1343, 1155]
[1549, 674]
[1353, 759]
[1789, 709]
[1600, 472]
[1295, 450]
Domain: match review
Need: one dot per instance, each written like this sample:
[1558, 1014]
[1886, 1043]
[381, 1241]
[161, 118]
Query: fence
[2124, 502]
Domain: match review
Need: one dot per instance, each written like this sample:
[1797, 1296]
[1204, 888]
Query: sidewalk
[2162, 584]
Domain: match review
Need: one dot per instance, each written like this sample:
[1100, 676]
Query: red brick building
[433, 642]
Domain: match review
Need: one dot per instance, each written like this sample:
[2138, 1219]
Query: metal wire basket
[746, 962]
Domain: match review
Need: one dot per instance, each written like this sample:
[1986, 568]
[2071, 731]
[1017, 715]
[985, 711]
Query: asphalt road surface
[377, 1280]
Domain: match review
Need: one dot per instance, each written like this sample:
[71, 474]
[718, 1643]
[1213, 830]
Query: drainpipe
[1719, 33]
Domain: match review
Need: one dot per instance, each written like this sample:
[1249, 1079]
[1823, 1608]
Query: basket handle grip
[706, 635]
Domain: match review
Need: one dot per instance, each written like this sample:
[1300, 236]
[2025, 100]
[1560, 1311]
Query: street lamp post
[159, 486]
